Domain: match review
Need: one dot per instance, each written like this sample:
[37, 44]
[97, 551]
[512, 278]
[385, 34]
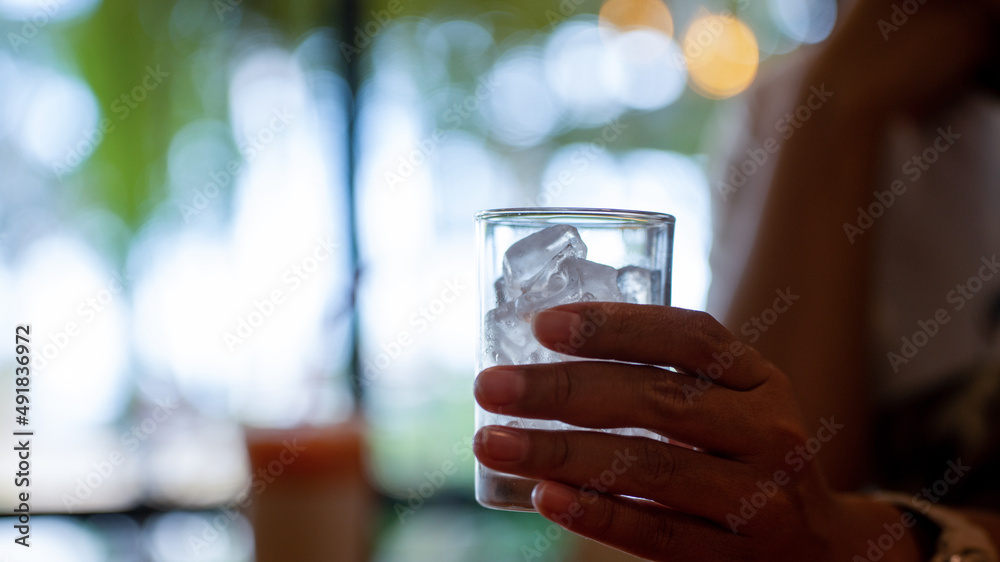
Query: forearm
[824, 172]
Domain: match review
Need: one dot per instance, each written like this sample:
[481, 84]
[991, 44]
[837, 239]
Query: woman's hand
[750, 491]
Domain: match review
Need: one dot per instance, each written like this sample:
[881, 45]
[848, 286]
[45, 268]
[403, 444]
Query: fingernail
[553, 498]
[502, 444]
[500, 386]
[556, 325]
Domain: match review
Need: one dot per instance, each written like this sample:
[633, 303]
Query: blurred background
[229, 216]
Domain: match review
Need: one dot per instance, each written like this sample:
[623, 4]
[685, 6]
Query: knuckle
[762, 371]
[659, 464]
[618, 333]
[662, 529]
[557, 453]
[604, 523]
[787, 435]
[778, 378]
[625, 325]
[705, 323]
[562, 386]
[668, 396]
[711, 333]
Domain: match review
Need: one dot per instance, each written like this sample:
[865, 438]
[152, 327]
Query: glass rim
[542, 213]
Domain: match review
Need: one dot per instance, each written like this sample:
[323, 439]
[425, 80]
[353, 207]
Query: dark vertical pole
[349, 19]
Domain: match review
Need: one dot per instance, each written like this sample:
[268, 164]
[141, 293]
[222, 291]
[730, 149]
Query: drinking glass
[537, 258]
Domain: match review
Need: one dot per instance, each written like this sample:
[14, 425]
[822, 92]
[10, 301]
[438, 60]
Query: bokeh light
[721, 54]
[597, 75]
[652, 74]
[199, 537]
[260, 258]
[55, 538]
[59, 118]
[642, 14]
[806, 21]
[521, 108]
[583, 72]
[80, 305]
[469, 45]
[40, 13]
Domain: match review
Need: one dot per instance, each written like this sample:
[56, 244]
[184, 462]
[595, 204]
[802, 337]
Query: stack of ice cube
[546, 269]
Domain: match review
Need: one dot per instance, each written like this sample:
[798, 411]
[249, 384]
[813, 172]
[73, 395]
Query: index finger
[658, 335]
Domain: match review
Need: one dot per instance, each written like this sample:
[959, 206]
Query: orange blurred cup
[310, 500]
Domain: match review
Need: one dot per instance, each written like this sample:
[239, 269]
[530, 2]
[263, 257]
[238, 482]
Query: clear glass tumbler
[537, 258]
